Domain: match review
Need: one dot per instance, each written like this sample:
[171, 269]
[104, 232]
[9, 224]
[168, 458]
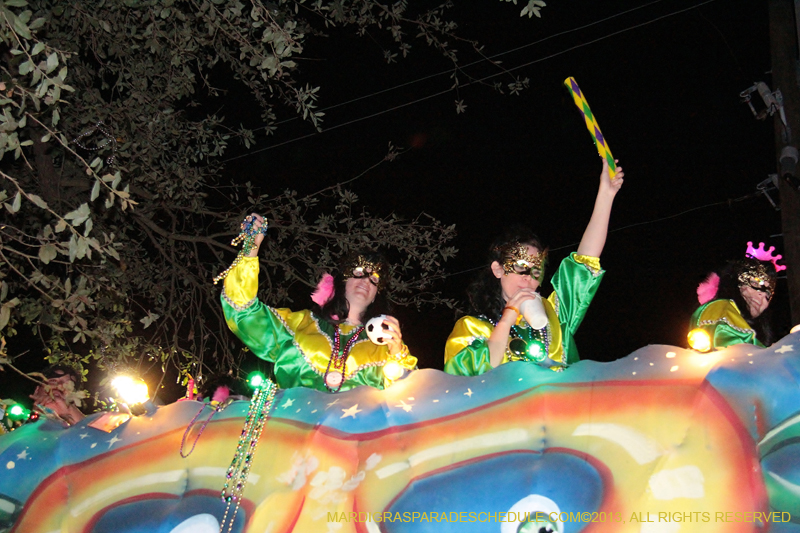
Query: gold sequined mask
[517, 260]
[361, 268]
[756, 277]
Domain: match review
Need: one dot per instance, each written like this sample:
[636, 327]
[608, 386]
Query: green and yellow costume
[299, 343]
[575, 282]
[724, 323]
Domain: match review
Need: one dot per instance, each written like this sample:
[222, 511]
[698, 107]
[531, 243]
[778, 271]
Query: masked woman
[497, 332]
[325, 348]
[735, 303]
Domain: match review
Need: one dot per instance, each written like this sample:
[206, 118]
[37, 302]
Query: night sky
[665, 91]
[663, 81]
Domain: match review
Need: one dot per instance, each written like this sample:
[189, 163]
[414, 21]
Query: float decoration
[666, 434]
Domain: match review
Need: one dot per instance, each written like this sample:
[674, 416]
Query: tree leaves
[17, 203]
[78, 216]
[36, 199]
[533, 8]
[5, 311]
[115, 96]
[47, 253]
[149, 319]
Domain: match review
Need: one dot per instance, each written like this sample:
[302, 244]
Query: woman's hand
[498, 340]
[607, 184]
[516, 302]
[258, 221]
[394, 341]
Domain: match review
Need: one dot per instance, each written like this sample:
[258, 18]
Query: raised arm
[594, 238]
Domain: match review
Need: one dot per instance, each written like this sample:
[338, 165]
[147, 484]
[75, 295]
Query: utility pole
[783, 34]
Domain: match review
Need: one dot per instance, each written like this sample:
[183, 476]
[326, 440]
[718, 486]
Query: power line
[653, 221]
[635, 224]
[624, 30]
[480, 80]
[476, 62]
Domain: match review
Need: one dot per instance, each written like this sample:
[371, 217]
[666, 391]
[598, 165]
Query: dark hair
[57, 371]
[337, 308]
[484, 293]
[729, 289]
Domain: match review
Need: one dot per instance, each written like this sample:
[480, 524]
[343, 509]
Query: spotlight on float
[392, 370]
[133, 392]
[699, 340]
[16, 411]
[256, 379]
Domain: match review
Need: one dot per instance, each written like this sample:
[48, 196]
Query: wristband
[402, 353]
[512, 308]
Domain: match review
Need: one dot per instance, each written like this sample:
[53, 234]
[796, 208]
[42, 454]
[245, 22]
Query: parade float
[664, 440]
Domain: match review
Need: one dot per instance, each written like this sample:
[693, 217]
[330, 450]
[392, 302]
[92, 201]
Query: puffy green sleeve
[575, 283]
[724, 324]
[467, 352]
[247, 317]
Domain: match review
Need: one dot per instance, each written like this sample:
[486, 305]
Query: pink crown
[764, 255]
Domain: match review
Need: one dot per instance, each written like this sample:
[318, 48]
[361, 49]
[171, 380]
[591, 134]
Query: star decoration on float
[786, 348]
[287, 403]
[468, 393]
[350, 411]
[404, 406]
[23, 454]
[113, 441]
[83, 435]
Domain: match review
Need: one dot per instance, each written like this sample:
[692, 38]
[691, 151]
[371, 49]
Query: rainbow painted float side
[683, 436]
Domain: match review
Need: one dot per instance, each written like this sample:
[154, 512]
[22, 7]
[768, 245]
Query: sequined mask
[361, 268]
[517, 260]
[756, 277]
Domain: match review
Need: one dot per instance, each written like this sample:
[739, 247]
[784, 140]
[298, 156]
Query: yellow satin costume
[575, 283]
[299, 343]
[724, 323]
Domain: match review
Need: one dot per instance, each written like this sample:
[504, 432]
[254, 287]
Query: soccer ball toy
[378, 330]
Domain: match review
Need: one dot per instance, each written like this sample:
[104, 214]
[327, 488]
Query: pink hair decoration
[764, 255]
[707, 290]
[324, 291]
[221, 394]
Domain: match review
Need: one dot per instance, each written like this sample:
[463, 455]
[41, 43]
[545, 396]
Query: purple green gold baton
[591, 125]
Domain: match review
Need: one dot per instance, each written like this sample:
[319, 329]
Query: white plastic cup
[534, 313]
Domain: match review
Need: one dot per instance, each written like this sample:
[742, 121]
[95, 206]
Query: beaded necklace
[215, 409]
[334, 373]
[109, 139]
[526, 335]
[247, 236]
[529, 336]
[236, 478]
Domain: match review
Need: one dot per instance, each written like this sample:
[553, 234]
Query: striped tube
[591, 124]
